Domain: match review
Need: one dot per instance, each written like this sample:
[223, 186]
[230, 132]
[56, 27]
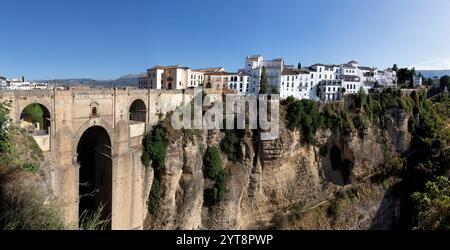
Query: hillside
[130, 80]
[434, 73]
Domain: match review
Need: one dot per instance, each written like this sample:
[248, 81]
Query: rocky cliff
[285, 183]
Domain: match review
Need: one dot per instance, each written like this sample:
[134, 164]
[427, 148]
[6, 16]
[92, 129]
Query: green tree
[230, 144]
[263, 83]
[212, 163]
[299, 66]
[433, 205]
[35, 112]
[395, 68]
[155, 196]
[304, 114]
[5, 136]
[155, 147]
[214, 170]
[444, 82]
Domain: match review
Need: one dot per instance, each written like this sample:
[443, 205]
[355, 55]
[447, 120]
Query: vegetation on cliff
[426, 159]
[433, 205]
[23, 202]
[155, 148]
[214, 170]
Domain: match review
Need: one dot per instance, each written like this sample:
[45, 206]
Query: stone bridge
[93, 138]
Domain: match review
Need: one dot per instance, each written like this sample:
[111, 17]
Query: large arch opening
[138, 111]
[95, 176]
[35, 118]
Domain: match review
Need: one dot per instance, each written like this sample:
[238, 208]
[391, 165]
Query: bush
[230, 145]
[304, 115]
[31, 167]
[155, 146]
[213, 169]
[342, 199]
[24, 208]
[5, 135]
[212, 163]
[145, 158]
[392, 167]
[155, 196]
[93, 220]
[433, 205]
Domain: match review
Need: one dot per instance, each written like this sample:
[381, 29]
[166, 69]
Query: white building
[329, 82]
[386, 78]
[3, 83]
[417, 80]
[295, 83]
[254, 66]
[172, 77]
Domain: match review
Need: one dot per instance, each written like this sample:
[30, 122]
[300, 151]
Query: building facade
[327, 82]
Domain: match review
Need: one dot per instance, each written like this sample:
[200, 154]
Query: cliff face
[284, 180]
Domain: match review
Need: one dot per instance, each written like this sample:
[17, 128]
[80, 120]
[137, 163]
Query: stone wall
[72, 112]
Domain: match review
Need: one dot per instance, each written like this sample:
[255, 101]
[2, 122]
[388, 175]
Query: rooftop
[211, 69]
[177, 66]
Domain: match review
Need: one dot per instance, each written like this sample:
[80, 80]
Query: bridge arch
[138, 110]
[33, 112]
[94, 157]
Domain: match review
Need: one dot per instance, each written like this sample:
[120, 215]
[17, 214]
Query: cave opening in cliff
[95, 176]
[340, 168]
[334, 172]
[138, 111]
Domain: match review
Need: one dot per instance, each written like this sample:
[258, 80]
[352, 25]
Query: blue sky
[106, 39]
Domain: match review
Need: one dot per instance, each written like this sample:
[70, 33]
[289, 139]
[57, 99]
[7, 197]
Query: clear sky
[106, 39]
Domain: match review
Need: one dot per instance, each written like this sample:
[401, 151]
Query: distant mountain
[130, 80]
[433, 73]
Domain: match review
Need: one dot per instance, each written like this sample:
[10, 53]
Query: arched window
[94, 112]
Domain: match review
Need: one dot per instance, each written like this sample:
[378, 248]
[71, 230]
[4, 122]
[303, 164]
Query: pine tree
[395, 68]
[299, 66]
[263, 82]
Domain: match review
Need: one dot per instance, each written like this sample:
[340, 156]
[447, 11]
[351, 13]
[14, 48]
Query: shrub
[155, 146]
[155, 196]
[212, 163]
[392, 167]
[24, 208]
[31, 167]
[5, 135]
[230, 145]
[304, 115]
[433, 205]
[213, 169]
[145, 159]
[94, 220]
[342, 199]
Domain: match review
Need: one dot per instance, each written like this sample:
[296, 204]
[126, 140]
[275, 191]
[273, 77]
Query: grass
[94, 220]
[24, 207]
[343, 198]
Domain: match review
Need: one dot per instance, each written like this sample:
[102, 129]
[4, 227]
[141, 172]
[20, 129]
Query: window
[94, 111]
